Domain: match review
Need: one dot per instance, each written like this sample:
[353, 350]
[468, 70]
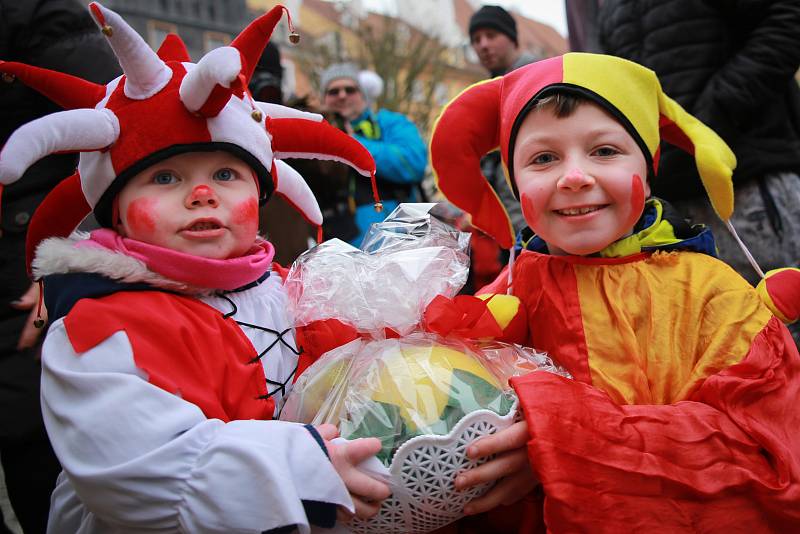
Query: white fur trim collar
[58, 255]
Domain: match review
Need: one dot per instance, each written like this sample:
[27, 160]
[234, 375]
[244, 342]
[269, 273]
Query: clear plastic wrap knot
[426, 399]
[403, 263]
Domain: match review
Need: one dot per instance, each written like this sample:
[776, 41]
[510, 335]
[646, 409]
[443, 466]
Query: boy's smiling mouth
[583, 210]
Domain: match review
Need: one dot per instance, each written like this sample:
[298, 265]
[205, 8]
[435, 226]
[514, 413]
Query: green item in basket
[414, 390]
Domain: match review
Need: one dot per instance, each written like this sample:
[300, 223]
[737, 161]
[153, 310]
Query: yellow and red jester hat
[487, 115]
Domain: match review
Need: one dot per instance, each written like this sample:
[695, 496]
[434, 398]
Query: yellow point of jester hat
[489, 114]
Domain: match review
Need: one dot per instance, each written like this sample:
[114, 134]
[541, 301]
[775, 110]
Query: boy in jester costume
[170, 347]
[682, 413]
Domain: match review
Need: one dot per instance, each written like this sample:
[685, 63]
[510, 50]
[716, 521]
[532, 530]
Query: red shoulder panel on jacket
[185, 347]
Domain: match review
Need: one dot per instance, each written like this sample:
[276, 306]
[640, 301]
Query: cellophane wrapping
[406, 261]
[397, 389]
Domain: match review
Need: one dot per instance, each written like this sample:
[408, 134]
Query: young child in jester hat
[170, 348]
[682, 413]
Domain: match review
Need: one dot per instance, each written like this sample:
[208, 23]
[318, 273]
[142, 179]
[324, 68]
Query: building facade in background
[202, 24]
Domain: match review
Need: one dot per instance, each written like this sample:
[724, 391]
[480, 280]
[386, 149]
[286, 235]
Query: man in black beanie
[493, 34]
[265, 84]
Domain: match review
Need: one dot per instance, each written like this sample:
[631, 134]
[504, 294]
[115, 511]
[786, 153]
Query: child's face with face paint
[200, 203]
[581, 178]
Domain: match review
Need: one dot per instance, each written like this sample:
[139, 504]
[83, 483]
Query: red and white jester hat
[487, 116]
[161, 106]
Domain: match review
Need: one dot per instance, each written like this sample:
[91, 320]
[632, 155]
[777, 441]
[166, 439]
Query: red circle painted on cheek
[637, 200]
[141, 216]
[530, 213]
[246, 213]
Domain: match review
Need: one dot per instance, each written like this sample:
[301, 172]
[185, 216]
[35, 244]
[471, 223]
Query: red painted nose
[575, 179]
[202, 195]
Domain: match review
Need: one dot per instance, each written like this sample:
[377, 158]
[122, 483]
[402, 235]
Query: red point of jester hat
[467, 129]
[302, 138]
[173, 49]
[69, 92]
[780, 291]
[253, 39]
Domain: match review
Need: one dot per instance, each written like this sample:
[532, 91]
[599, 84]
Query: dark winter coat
[58, 35]
[730, 63]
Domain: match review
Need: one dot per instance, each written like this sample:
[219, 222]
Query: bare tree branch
[410, 62]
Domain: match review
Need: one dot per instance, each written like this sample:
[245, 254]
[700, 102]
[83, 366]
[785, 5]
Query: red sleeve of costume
[727, 459]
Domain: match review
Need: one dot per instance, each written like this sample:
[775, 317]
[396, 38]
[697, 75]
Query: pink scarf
[228, 274]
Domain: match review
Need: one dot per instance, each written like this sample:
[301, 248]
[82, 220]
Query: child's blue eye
[606, 151]
[224, 175]
[542, 159]
[164, 178]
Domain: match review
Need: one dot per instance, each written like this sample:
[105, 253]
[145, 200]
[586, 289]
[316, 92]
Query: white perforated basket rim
[501, 422]
[400, 513]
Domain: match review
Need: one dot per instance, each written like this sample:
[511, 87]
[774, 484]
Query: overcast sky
[548, 11]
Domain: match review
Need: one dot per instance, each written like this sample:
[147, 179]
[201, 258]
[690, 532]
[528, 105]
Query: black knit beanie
[494, 17]
[267, 79]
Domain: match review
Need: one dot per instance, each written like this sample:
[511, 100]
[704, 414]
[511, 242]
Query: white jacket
[138, 458]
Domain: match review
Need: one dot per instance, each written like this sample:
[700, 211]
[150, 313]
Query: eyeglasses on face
[349, 89]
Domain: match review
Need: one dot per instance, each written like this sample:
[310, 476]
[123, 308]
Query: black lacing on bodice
[278, 386]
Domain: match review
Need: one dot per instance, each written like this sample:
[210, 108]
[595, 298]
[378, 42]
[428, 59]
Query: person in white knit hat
[392, 139]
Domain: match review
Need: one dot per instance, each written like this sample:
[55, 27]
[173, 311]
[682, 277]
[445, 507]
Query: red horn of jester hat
[488, 115]
[165, 105]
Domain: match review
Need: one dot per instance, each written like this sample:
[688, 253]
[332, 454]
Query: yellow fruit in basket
[409, 389]
[317, 392]
[420, 381]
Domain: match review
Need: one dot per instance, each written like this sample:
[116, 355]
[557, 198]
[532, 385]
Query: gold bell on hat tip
[8, 77]
[107, 30]
[38, 323]
[257, 115]
[379, 207]
[294, 37]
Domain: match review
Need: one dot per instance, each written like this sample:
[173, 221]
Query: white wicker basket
[423, 471]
